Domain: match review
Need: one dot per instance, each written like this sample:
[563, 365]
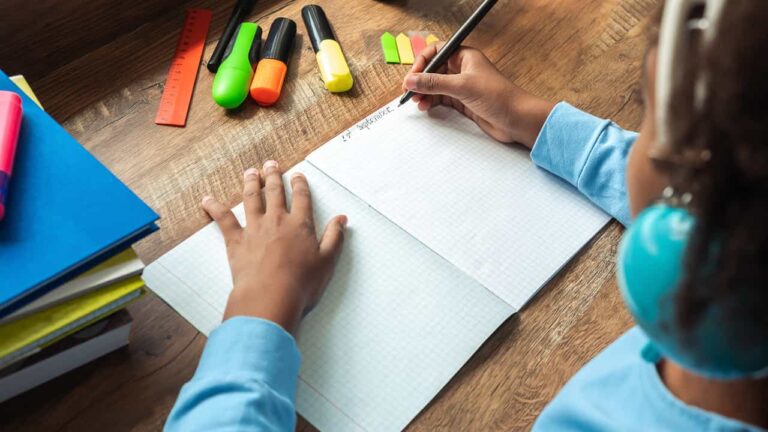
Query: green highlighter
[233, 79]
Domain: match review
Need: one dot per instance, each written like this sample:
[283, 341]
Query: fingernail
[410, 81]
[270, 164]
[250, 172]
[207, 198]
[344, 220]
[297, 174]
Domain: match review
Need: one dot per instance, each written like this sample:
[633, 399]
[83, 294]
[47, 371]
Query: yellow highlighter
[333, 66]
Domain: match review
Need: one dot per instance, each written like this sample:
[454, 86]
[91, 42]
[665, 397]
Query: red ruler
[174, 105]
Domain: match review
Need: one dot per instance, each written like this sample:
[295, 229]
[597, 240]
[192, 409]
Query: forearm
[246, 379]
[589, 153]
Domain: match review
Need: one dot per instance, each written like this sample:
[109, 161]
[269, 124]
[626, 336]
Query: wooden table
[99, 66]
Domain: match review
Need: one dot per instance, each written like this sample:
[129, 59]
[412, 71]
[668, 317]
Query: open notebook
[450, 233]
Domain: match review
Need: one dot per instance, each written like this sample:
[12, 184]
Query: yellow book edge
[120, 267]
[22, 83]
[24, 336]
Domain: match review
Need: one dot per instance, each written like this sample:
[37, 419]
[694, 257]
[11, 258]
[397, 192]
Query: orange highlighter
[270, 73]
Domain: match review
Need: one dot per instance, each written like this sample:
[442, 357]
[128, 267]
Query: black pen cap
[279, 43]
[253, 54]
[318, 27]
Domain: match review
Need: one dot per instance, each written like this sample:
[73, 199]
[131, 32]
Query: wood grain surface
[99, 67]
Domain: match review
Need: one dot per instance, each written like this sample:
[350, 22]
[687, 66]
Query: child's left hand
[279, 268]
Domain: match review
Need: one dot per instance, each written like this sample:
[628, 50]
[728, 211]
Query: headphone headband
[674, 39]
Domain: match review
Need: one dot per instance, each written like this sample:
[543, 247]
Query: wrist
[527, 115]
[277, 304]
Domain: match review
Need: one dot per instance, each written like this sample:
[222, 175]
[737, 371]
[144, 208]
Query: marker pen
[230, 86]
[330, 60]
[270, 72]
[10, 124]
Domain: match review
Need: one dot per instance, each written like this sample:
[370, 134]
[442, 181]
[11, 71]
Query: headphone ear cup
[649, 268]
[651, 258]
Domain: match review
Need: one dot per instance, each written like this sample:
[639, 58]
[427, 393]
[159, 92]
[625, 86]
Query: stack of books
[67, 270]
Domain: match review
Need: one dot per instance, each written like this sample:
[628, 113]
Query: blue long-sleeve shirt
[246, 380]
[247, 376]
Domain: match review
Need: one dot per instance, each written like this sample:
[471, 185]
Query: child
[704, 363]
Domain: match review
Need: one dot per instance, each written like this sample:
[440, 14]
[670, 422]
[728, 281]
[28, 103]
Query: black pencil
[454, 42]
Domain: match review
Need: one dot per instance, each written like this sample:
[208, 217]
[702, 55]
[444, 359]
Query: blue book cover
[65, 211]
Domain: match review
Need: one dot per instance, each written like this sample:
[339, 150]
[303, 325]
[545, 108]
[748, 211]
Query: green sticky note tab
[389, 46]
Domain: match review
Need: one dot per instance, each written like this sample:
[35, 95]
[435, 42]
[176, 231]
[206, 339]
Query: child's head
[718, 153]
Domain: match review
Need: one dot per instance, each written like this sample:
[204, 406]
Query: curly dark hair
[721, 157]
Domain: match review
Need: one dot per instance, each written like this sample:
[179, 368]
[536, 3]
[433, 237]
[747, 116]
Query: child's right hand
[472, 85]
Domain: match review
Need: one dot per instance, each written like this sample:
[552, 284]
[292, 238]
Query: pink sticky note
[417, 43]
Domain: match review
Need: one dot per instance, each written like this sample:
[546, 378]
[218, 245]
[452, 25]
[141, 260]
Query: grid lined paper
[450, 233]
[397, 322]
[481, 205]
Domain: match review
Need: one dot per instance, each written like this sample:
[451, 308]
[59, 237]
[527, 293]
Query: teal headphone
[652, 251]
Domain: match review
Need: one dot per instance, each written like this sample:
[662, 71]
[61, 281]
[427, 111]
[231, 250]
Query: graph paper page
[396, 323]
[481, 205]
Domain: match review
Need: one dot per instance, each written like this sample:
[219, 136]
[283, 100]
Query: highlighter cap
[9, 101]
[11, 112]
[279, 43]
[318, 27]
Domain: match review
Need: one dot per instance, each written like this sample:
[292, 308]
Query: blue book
[65, 211]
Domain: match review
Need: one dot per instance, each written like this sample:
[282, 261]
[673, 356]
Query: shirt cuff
[253, 348]
[566, 140]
